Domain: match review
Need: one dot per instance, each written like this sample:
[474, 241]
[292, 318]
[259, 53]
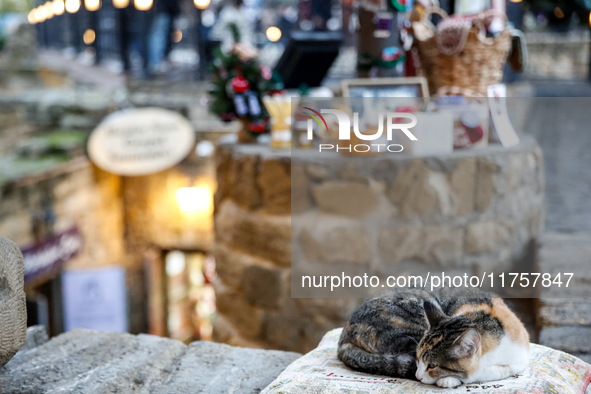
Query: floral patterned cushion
[320, 371]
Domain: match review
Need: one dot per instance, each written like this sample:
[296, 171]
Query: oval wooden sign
[141, 141]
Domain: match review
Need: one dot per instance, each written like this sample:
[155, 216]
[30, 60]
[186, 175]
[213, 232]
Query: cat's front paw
[449, 382]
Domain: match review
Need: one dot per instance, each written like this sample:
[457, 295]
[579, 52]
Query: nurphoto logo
[393, 123]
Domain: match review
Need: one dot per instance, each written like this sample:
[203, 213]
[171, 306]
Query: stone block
[36, 336]
[225, 332]
[569, 312]
[300, 191]
[17, 226]
[285, 332]
[334, 310]
[483, 237]
[567, 338]
[442, 245]
[317, 172]
[85, 361]
[399, 243]
[263, 285]
[485, 183]
[586, 358]
[245, 317]
[438, 245]
[330, 239]
[223, 165]
[411, 193]
[462, 182]
[223, 369]
[245, 191]
[349, 199]
[265, 236]
[274, 181]
[77, 121]
[230, 264]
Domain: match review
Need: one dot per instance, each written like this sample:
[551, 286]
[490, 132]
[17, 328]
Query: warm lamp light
[43, 13]
[201, 4]
[195, 199]
[89, 36]
[143, 5]
[58, 7]
[39, 14]
[31, 17]
[48, 9]
[92, 5]
[120, 3]
[273, 33]
[72, 6]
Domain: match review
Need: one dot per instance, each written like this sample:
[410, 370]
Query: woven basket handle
[479, 22]
[430, 11]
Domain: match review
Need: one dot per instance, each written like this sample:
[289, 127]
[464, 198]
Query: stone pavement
[85, 361]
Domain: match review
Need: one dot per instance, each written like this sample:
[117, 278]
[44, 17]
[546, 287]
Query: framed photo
[385, 87]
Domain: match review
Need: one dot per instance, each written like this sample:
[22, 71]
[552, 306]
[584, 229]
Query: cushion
[320, 371]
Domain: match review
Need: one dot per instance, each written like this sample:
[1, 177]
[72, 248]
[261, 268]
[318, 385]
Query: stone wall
[153, 216]
[558, 55]
[76, 193]
[253, 256]
[472, 209]
[120, 218]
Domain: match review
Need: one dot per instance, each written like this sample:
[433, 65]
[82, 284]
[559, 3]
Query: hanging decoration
[383, 21]
[390, 57]
[402, 5]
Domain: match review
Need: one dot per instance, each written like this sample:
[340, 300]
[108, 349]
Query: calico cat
[445, 338]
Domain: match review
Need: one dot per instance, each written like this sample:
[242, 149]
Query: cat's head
[451, 347]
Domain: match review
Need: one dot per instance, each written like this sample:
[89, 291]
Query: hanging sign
[140, 141]
[49, 256]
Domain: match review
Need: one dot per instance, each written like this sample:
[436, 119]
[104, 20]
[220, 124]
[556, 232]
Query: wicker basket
[478, 65]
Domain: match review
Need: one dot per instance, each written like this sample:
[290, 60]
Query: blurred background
[139, 253]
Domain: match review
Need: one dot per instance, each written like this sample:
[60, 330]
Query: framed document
[385, 87]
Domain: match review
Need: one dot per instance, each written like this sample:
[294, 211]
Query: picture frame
[386, 87]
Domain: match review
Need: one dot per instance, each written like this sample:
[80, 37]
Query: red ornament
[240, 85]
[257, 126]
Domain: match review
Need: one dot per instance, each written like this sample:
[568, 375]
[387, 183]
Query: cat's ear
[434, 314]
[467, 344]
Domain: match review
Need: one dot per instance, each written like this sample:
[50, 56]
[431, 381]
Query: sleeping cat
[444, 338]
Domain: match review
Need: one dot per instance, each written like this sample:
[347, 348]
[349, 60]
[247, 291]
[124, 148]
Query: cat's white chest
[507, 359]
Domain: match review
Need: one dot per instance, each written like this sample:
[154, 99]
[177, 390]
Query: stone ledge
[85, 361]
